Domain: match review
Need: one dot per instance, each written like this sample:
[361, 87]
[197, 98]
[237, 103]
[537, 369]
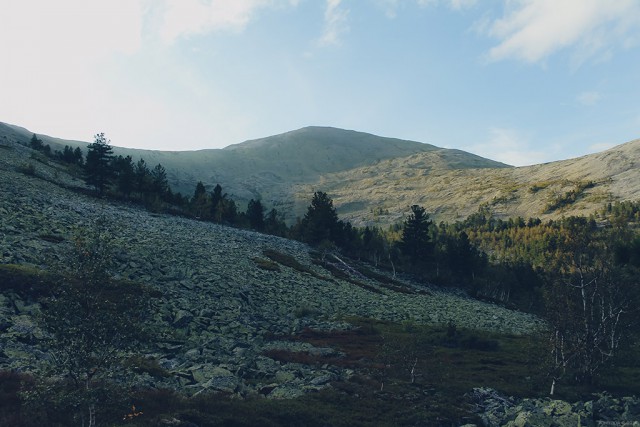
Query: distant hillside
[383, 193]
[271, 168]
[374, 180]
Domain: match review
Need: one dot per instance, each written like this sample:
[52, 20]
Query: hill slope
[270, 168]
[223, 303]
[374, 180]
[383, 193]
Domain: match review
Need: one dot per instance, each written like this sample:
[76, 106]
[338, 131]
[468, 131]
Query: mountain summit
[374, 180]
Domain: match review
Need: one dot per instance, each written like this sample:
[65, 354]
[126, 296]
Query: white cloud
[453, 4]
[532, 30]
[508, 146]
[184, 18]
[589, 99]
[55, 54]
[188, 17]
[336, 20]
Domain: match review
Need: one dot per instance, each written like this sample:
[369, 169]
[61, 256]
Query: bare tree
[589, 305]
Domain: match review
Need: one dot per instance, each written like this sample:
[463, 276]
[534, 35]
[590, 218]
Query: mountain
[226, 303]
[374, 180]
[276, 168]
[382, 193]
[252, 329]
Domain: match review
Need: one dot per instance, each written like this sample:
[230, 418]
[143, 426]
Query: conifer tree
[255, 214]
[321, 221]
[416, 243]
[98, 170]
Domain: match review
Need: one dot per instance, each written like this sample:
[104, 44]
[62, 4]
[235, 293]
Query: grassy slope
[375, 180]
[454, 193]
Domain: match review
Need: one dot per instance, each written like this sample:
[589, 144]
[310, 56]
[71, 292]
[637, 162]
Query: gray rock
[182, 318]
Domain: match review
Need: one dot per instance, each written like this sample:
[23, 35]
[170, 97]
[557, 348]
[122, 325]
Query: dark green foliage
[125, 176]
[200, 202]
[416, 241]
[70, 156]
[26, 281]
[159, 183]
[89, 322]
[142, 178]
[321, 221]
[216, 199]
[36, 143]
[255, 215]
[98, 170]
[27, 168]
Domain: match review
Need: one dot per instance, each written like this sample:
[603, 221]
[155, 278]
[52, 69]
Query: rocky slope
[219, 311]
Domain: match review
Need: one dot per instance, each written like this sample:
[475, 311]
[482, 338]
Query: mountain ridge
[374, 180]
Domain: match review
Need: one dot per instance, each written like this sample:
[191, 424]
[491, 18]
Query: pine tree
[321, 221]
[159, 182]
[98, 171]
[255, 214]
[36, 143]
[416, 243]
[125, 174]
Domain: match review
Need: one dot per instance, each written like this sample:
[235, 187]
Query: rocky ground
[602, 411]
[219, 311]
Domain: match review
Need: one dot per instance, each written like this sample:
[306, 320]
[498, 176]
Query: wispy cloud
[508, 146]
[453, 4]
[532, 30]
[183, 18]
[336, 23]
[589, 99]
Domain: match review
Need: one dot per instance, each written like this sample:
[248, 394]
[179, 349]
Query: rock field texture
[219, 311]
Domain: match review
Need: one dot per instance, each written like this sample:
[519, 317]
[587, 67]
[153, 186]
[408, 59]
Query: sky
[518, 81]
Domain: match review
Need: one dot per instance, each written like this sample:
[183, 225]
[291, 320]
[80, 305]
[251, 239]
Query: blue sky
[520, 81]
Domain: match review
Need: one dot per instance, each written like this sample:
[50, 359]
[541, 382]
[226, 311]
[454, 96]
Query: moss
[289, 261]
[266, 264]
[27, 281]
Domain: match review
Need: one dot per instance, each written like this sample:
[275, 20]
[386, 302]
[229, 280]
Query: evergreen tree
[273, 224]
[36, 143]
[77, 156]
[142, 178]
[200, 201]
[416, 243]
[125, 176]
[321, 221]
[216, 199]
[159, 182]
[98, 171]
[255, 215]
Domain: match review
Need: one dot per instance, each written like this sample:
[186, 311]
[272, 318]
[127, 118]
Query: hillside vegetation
[374, 180]
[106, 306]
